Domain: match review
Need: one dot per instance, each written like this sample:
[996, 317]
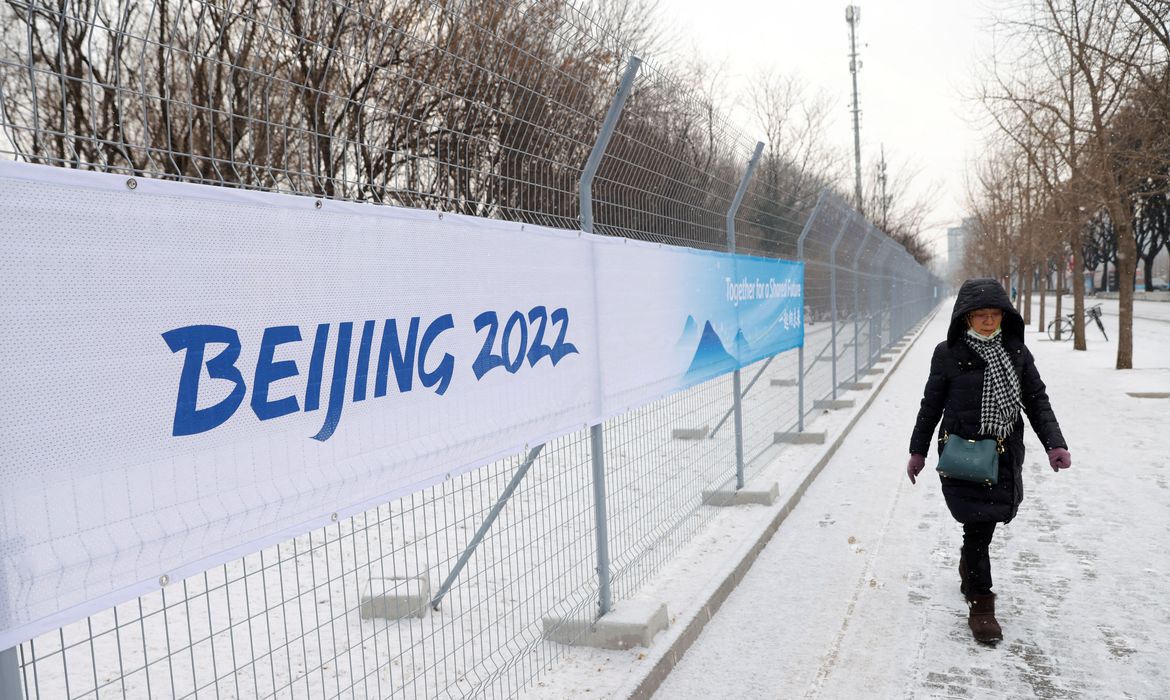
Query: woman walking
[981, 378]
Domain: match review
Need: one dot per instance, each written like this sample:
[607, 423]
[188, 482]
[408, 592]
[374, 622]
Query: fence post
[735, 380]
[10, 687]
[596, 436]
[800, 351]
[886, 278]
[906, 289]
[833, 293]
[896, 296]
[874, 304]
[897, 292]
[857, 300]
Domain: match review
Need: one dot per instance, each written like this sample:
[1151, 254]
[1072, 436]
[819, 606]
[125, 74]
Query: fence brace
[487, 525]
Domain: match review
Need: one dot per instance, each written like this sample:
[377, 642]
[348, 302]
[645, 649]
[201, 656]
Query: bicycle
[1062, 328]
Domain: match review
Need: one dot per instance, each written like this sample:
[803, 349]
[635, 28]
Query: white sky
[918, 58]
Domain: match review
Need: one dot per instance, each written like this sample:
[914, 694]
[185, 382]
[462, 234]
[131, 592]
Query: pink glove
[915, 465]
[1059, 458]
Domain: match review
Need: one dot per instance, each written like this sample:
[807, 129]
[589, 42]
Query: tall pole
[596, 432]
[737, 406]
[882, 179]
[800, 350]
[853, 16]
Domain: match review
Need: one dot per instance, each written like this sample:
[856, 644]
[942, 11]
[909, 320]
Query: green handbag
[970, 460]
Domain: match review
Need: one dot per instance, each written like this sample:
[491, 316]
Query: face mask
[971, 332]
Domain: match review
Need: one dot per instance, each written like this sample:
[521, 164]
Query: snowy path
[857, 594]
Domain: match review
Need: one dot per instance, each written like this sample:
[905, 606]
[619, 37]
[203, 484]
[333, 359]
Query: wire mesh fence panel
[482, 108]
[305, 618]
[771, 405]
[656, 479]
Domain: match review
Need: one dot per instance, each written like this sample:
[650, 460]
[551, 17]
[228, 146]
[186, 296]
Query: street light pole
[885, 201]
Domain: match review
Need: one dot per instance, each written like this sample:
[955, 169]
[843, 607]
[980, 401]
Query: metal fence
[496, 109]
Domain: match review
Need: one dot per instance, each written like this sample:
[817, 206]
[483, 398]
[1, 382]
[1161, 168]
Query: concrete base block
[856, 386]
[749, 495]
[833, 404]
[396, 598]
[629, 624]
[783, 382]
[871, 372]
[805, 438]
[691, 433]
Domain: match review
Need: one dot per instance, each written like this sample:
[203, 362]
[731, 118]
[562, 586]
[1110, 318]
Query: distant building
[956, 244]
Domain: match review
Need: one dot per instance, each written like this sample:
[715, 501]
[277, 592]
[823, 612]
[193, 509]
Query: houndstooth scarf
[1001, 387]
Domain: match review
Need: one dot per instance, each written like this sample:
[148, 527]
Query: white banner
[193, 373]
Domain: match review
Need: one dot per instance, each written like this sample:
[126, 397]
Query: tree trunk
[1043, 290]
[1027, 272]
[1078, 290]
[1126, 267]
[1060, 263]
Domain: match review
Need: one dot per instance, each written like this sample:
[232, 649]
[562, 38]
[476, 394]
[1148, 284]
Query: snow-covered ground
[857, 594]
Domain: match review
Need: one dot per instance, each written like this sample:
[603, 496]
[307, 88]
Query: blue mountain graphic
[690, 331]
[711, 358]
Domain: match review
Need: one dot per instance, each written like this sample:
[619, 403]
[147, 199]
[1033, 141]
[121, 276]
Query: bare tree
[1087, 59]
[897, 210]
[797, 163]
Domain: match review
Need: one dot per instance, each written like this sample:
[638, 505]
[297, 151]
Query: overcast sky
[918, 58]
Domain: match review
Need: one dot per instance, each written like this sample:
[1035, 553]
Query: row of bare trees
[389, 101]
[1079, 91]
[486, 107]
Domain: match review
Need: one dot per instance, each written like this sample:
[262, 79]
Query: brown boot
[982, 618]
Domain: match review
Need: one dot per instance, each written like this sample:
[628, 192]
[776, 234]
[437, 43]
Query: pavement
[857, 593]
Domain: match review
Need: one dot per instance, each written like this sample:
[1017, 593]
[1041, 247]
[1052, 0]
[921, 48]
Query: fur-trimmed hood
[984, 293]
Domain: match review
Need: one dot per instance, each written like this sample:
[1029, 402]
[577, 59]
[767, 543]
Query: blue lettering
[405, 352]
[337, 388]
[443, 373]
[403, 357]
[190, 420]
[361, 375]
[316, 365]
[268, 372]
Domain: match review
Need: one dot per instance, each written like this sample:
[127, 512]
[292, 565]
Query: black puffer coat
[954, 392]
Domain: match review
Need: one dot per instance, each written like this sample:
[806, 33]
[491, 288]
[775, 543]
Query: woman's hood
[984, 294]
